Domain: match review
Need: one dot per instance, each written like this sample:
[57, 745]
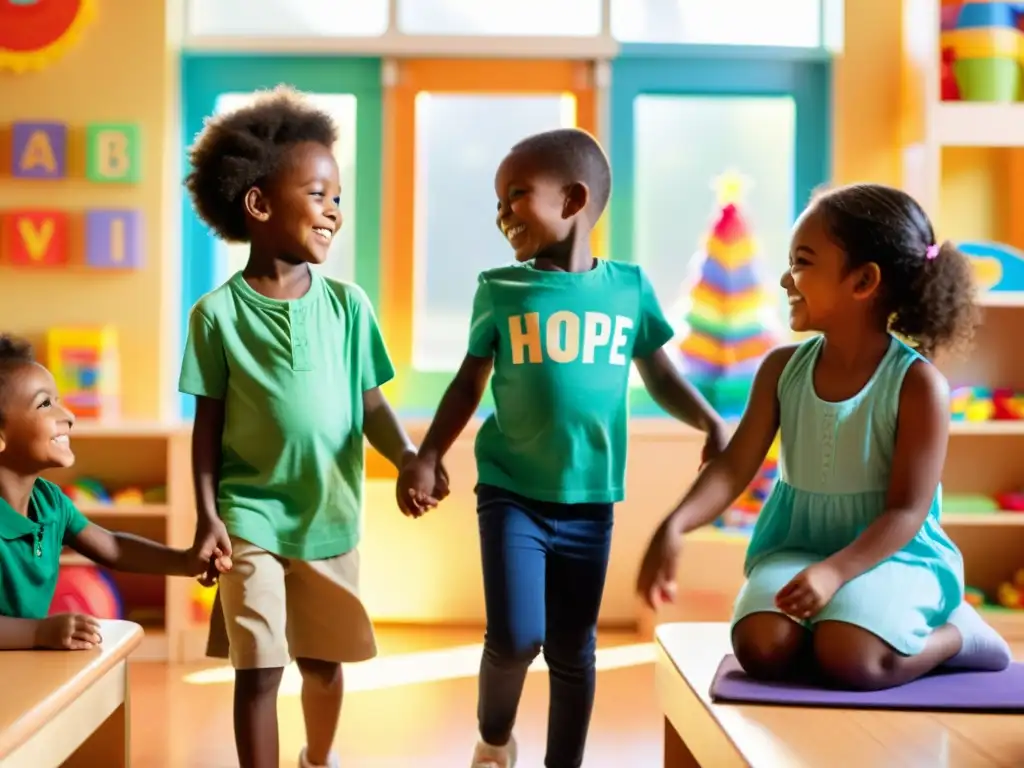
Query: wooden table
[68, 707]
[699, 733]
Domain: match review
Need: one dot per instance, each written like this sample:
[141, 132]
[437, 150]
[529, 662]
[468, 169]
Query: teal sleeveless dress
[834, 468]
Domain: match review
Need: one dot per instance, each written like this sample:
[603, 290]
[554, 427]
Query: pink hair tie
[932, 252]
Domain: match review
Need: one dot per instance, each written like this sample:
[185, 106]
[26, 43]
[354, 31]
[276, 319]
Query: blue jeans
[544, 568]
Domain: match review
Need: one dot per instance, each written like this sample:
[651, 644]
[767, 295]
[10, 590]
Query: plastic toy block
[113, 239]
[113, 153]
[39, 150]
[36, 238]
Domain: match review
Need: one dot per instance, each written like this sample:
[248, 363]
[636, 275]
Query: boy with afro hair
[286, 367]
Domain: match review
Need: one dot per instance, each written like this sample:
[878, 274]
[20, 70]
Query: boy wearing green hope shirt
[559, 329]
[286, 367]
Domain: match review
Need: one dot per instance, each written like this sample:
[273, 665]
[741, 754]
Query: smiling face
[819, 285]
[35, 433]
[295, 214]
[535, 210]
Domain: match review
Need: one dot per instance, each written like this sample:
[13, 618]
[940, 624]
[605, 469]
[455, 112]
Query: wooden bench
[699, 733]
[68, 707]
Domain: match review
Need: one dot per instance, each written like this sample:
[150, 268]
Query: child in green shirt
[37, 520]
[286, 367]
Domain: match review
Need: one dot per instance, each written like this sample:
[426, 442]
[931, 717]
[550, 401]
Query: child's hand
[714, 443]
[419, 482]
[210, 554]
[809, 591]
[68, 632]
[656, 583]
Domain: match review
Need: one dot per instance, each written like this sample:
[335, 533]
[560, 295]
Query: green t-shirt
[562, 344]
[30, 550]
[292, 375]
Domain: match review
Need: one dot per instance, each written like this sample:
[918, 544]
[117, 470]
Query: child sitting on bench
[849, 571]
[37, 520]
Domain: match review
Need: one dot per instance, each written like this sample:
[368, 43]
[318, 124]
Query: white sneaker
[333, 761]
[490, 756]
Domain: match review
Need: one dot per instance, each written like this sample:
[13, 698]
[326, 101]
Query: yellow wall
[118, 71]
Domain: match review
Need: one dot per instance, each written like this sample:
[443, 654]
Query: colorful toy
[113, 239]
[39, 150]
[974, 596]
[1011, 593]
[985, 47]
[729, 311]
[87, 490]
[37, 238]
[743, 514]
[202, 602]
[997, 267]
[86, 589]
[971, 404]
[1011, 502]
[86, 365]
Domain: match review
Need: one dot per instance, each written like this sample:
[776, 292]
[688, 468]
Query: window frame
[805, 75]
[417, 393]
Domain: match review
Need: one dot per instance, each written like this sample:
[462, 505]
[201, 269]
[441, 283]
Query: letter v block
[36, 238]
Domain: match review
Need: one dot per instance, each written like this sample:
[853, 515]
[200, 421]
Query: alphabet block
[113, 153]
[37, 238]
[40, 150]
[113, 239]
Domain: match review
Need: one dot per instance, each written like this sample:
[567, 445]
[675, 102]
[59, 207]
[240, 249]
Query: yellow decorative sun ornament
[35, 33]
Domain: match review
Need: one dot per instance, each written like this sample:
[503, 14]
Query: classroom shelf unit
[144, 455]
[984, 458]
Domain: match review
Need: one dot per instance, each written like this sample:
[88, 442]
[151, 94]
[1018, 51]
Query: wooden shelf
[986, 428]
[1008, 623]
[124, 510]
[982, 518]
[128, 429]
[976, 124]
[997, 299]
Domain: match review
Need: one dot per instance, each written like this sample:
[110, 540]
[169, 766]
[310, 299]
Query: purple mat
[938, 692]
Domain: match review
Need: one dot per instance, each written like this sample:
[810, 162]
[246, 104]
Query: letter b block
[113, 239]
[113, 153]
[39, 150]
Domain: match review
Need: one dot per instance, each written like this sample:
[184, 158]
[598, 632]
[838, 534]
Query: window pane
[488, 17]
[460, 140]
[722, 22]
[340, 264]
[683, 145]
[331, 18]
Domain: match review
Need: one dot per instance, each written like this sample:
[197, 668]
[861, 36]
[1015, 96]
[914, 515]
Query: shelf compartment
[978, 124]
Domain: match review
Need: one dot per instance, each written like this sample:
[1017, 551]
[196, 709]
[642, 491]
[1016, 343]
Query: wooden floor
[414, 706]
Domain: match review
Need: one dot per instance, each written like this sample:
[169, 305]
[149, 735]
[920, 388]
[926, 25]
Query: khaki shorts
[270, 610]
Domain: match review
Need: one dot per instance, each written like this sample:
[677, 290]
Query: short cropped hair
[14, 353]
[237, 150]
[576, 156]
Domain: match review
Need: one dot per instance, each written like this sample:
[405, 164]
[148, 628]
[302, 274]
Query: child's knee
[322, 674]
[853, 658]
[256, 683]
[767, 645]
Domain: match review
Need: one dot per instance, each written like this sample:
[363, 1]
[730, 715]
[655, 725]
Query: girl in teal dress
[848, 569]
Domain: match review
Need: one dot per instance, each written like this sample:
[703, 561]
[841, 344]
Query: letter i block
[39, 150]
[113, 153]
[113, 239]
[36, 238]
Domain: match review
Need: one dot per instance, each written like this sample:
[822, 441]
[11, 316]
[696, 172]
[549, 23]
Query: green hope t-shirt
[30, 550]
[562, 344]
[292, 375]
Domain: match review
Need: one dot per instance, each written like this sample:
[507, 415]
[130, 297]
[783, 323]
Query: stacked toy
[729, 310]
[983, 42]
[743, 514]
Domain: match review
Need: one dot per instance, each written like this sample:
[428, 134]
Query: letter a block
[113, 239]
[36, 238]
[113, 153]
[39, 150]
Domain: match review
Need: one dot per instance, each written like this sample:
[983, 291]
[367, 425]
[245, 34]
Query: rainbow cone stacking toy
[728, 334]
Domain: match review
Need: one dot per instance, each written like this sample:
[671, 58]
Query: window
[796, 23]
[340, 265]
[486, 17]
[460, 140]
[267, 18]
[682, 145]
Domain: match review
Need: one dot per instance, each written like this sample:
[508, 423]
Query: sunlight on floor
[424, 667]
